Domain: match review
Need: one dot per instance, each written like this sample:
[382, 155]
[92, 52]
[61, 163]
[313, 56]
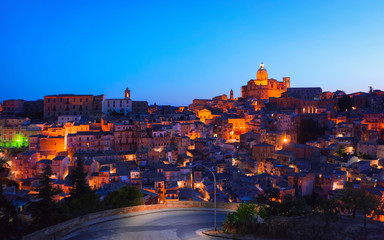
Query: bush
[242, 220]
[124, 197]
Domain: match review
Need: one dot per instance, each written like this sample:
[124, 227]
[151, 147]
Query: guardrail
[61, 229]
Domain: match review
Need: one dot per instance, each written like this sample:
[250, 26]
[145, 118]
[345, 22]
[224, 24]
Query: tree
[350, 197]
[291, 206]
[241, 220]
[83, 199]
[344, 103]
[309, 130]
[358, 199]
[330, 208]
[44, 205]
[8, 217]
[368, 204]
[341, 152]
[273, 194]
[4, 168]
[124, 197]
[78, 179]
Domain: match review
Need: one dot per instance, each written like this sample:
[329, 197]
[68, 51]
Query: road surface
[180, 224]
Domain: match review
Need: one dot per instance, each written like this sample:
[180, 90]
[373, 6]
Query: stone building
[139, 107]
[70, 104]
[118, 106]
[263, 87]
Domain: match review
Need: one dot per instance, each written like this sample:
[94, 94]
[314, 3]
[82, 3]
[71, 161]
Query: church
[264, 88]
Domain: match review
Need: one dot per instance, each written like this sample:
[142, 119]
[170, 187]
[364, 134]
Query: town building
[263, 87]
[89, 106]
[118, 106]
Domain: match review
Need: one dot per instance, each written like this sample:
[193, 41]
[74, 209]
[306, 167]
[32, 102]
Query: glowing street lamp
[214, 183]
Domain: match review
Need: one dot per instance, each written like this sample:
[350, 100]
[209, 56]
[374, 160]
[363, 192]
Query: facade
[310, 93]
[90, 142]
[17, 135]
[13, 107]
[22, 108]
[70, 104]
[139, 106]
[118, 106]
[62, 120]
[263, 87]
[34, 109]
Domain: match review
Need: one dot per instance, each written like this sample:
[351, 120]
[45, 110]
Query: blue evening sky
[171, 52]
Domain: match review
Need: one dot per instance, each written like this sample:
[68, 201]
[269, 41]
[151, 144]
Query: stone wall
[61, 229]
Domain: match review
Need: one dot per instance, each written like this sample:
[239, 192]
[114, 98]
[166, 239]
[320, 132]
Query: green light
[19, 141]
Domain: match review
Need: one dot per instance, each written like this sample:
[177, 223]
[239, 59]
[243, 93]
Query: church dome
[262, 73]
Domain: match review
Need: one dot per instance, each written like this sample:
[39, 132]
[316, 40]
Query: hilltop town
[296, 141]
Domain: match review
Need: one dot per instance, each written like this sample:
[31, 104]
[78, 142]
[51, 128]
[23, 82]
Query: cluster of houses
[251, 145]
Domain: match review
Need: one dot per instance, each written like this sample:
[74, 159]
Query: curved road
[179, 224]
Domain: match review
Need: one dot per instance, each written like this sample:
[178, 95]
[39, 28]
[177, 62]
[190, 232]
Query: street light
[214, 187]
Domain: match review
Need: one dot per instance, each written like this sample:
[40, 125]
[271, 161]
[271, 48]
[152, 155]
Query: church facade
[263, 87]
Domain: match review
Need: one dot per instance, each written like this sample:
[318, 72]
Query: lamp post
[214, 187]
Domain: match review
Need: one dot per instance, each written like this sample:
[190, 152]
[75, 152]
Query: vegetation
[309, 130]
[330, 209]
[284, 219]
[124, 197]
[344, 103]
[4, 167]
[358, 199]
[8, 217]
[44, 204]
[78, 181]
[341, 152]
[83, 199]
[242, 220]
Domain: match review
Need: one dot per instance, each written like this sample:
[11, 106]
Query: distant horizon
[173, 105]
[173, 52]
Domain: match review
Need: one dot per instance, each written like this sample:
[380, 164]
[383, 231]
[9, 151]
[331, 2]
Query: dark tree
[44, 205]
[83, 199]
[78, 179]
[368, 204]
[291, 206]
[309, 130]
[124, 197]
[8, 217]
[350, 197]
[344, 103]
[4, 168]
[330, 208]
[358, 199]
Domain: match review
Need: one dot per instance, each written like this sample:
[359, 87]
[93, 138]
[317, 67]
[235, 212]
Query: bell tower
[231, 95]
[127, 93]
[287, 82]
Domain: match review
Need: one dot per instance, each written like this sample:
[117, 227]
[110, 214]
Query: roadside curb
[216, 235]
[226, 236]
